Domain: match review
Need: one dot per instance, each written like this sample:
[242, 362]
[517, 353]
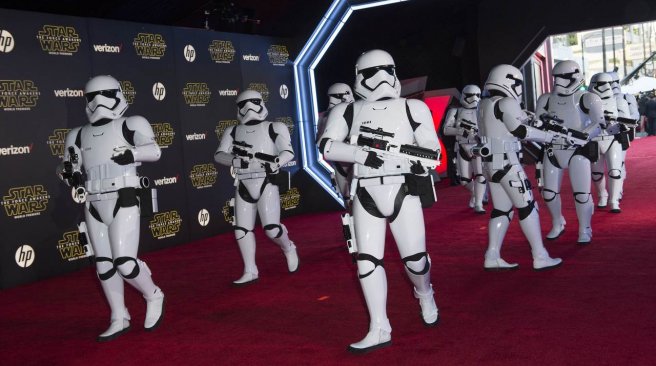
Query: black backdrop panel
[184, 81]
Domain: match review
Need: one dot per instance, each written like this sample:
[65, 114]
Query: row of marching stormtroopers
[108, 151]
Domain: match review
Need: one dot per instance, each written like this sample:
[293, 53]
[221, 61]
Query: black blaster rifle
[469, 126]
[551, 123]
[242, 148]
[427, 157]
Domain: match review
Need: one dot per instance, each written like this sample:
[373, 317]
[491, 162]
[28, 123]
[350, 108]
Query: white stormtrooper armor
[631, 111]
[109, 150]
[610, 148]
[581, 111]
[338, 93]
[502, 126]
[256, 149]
[380, 188]
[462, 123]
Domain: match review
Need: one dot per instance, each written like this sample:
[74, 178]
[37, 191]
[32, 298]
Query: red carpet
[597, 309]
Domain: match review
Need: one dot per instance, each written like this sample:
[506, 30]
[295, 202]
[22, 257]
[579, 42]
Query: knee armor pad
[480, 178]
[464, 181]
[269, 231]
[370, 258]
[597, 176]
[549, 195]
[119, 264]
[420, 263]
[582, 197]
[108, 269]
[615, 173]
[239, 229]
[498, 213]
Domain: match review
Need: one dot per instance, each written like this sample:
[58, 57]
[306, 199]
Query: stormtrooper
[608, 142]
[108, 151]
[462, 123]
[256, 149]
[581, 111]
[632, 113]
[503, 124]
[386, 186]
[338, 93]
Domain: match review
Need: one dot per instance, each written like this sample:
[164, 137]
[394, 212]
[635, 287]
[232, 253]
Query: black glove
[125, 158]
[417, 168]
[239, 151]
[373, 161]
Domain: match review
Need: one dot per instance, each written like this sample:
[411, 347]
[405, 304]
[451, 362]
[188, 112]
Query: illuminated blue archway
[306, 92]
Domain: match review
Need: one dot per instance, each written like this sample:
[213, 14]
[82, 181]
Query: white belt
[377, 181]
[102, 196]
[604, 137]
[500, 147]
[112, 184]
[244, 176]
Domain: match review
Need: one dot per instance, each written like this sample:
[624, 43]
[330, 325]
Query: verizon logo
[16, 150]
[106, 48]
[228, 92]
[196, 136]
[251, 57]
[63, 93]
[166, 181]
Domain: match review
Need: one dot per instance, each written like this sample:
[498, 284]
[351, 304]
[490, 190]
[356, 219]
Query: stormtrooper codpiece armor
[503, 124]
[610, 141]
[462, 123]
[108, 151]
[256, 149]
[338, 93]
[385, 187]
[580, 111]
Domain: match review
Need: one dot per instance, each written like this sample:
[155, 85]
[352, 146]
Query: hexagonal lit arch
[306, 93]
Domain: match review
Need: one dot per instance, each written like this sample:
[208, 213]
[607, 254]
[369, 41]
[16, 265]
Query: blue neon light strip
[306, 93]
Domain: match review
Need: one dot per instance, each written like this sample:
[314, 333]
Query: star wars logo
[59, 40]
[70, 247]
[128, 91]
[221, 127]
[278, 55]
[290, 199]
[21, 202]
[203, 175]
[165, 224]
[196, 94]
[18, 95]
[164, 134]
[149, 46]
[227, 215]
[261, 88]
[222, 52]
[56, 141]
[289, 122]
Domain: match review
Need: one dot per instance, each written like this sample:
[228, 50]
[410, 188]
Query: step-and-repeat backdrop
[184, 81]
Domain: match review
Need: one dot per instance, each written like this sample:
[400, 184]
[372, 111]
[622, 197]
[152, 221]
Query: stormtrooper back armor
[109, 150]
[581, 111]
[256, 149]
[502, 127]
[462, 123]
[380, 189]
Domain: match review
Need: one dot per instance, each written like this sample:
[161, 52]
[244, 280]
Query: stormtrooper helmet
[375, 76]
[250, 107]
[567, 77]
[601, 84]
[506, 80]
[615, 83]
[105, 99]
[339, 93]
[470, 96]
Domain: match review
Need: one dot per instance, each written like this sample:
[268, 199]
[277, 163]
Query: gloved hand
[417, 168]
[373, 161]
[124, 158]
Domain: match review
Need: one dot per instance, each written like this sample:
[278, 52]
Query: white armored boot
[531, 229]
[423, 291]
[584, 213]
[374, 288]
[496, 232]
[120, 318]
[479, 193]
[615, 185]
[152, 294]
[558, 221]
[288, 249]
[247, 248]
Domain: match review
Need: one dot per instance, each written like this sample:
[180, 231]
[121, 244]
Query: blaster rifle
[553, 124]
[242, 148]
[469, 126]
[427, 157]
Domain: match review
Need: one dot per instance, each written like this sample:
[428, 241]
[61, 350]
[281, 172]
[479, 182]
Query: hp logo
[6, 41]
[159, 91]
[189, 53]
[24, 256]
[284, 91]
[203, 217]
